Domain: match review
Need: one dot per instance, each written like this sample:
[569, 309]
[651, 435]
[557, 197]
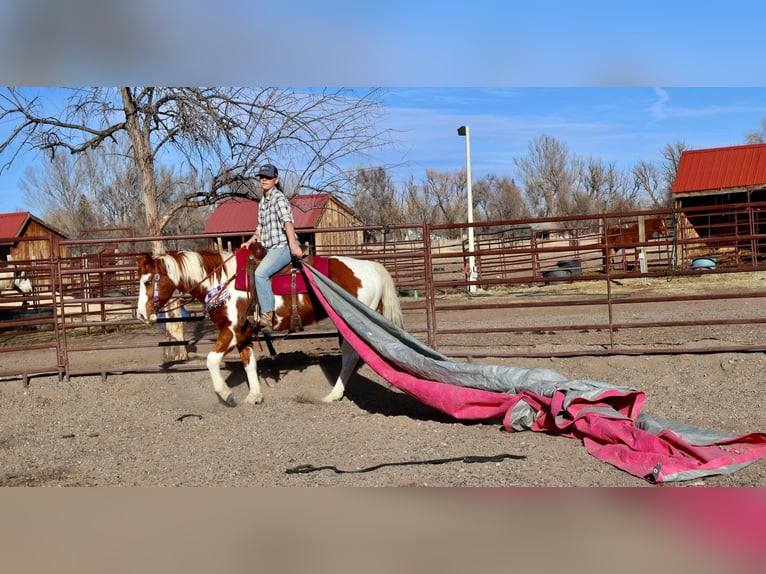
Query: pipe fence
[547, 287]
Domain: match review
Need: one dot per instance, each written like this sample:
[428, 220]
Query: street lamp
[472, 274]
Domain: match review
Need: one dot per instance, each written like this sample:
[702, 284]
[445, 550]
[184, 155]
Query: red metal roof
[12, 224]
[241, 215]
[307, 209]
[721, 168]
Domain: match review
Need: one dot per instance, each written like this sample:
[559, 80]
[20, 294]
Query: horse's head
[659, 227]
[154, 287]
[21, 282]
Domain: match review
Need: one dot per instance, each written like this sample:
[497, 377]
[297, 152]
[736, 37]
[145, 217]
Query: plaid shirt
[273, 211]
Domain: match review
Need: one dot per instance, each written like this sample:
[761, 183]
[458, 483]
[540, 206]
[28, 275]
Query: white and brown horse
[209, 276]
[13, 280]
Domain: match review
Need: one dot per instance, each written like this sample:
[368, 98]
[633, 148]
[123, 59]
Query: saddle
[287, 281]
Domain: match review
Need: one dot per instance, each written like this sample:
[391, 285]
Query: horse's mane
[185, 267]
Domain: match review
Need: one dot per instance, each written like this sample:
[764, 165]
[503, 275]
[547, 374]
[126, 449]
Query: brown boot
[266, 321]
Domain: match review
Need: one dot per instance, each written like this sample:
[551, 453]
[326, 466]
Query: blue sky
[622, 125]
[585, 72]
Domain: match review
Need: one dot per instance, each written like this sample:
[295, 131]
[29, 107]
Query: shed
[234, 221]
[15, 231]
[713, 192]
[718, 176]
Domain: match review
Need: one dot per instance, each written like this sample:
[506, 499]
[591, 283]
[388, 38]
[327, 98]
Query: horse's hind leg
[348, 364]
[248, 361]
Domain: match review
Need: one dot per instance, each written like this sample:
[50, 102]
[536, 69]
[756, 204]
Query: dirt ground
[168, 429]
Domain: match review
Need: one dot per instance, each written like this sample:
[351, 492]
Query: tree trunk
[145, 162]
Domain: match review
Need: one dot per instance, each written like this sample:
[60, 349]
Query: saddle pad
[281, 284]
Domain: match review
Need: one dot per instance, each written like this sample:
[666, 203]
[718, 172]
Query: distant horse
[623, 237]
[209, 276]
[12, 280]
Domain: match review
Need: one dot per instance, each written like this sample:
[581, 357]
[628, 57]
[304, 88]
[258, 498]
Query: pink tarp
[608, 419]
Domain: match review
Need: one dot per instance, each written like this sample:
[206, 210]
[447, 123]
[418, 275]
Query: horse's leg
[349, 362]
[220, 387]
[223, 345]
[247, 354]
[608, 262]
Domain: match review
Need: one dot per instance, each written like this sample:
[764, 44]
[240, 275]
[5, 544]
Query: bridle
[156, 295]
[156, 288]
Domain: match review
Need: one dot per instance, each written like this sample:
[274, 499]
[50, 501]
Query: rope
[673, 259]
[306, 468]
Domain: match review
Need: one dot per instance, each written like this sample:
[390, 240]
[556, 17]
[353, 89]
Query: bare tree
[447, 193]
[671, 157]
[757, 136]
[417, 207]
[105, 180]
[647, 181]
[498, 198]
[375, 197]
[548, 178]
[601, 187]
[221, 134]
[58, 188]
[113, 185]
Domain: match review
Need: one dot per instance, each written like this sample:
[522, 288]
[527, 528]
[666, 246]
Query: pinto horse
[209, 276]
[621, 237]
[12, 280]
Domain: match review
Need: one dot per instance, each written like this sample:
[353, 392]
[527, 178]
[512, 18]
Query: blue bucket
[703, 264]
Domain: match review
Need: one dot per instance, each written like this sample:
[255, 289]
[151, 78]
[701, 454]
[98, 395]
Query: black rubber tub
[43, 316]
[574, 266]
[557, 276]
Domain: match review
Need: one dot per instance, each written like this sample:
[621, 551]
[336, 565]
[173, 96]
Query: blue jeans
[274, 260]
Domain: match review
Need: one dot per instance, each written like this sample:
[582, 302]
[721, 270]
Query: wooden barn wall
[36, 250]
[336, 215]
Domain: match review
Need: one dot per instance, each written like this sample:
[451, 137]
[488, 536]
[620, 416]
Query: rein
[156, 294]
[306, 468]
[673, 258]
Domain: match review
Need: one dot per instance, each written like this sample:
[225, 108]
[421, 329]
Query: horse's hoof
[254, 400]
[229, 401]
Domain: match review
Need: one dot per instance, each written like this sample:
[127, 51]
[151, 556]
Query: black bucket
[573, 265]
[557, 276]
[43, 314]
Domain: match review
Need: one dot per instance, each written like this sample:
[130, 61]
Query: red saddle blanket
[281, 284]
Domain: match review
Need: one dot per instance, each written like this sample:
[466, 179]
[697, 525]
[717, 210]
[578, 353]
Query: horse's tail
[392, 309]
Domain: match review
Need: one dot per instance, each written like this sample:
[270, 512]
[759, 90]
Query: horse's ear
[144, 261]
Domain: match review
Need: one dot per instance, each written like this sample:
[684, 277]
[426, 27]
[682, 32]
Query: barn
[716, 193]
[233, 221]
[17, 233]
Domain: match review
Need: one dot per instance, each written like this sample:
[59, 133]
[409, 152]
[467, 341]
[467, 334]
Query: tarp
[607, 418]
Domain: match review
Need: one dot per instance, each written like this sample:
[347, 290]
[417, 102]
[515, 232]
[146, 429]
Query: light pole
[464, 131]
